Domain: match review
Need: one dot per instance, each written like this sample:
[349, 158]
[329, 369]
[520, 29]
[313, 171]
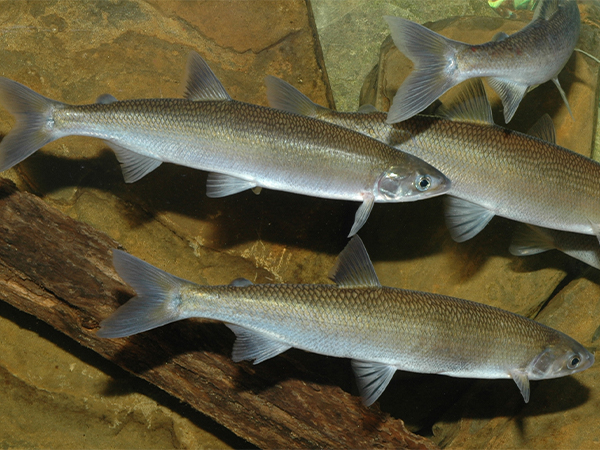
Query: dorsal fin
[282, 95]
[202, 83]
[353, 267]
[544, 129]
[545, 9]
[469, 104]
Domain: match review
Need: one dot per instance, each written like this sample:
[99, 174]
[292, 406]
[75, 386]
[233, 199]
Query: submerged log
[60, 271]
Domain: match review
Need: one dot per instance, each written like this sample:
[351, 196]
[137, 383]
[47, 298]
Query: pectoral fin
[221, 185]
[522, 381]
[465, 219]
[362, 214]
[253, 345]
[372, 378]
[563, 95]
[510, 93]
[133, 165]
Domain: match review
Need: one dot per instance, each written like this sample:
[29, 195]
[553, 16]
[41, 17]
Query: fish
[380, 329]
[494, 171]
[531, 240]
[242, 146]
[512, 64]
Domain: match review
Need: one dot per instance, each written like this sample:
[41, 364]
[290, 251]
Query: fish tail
[34, 125]
[157, 302]
[435, 69]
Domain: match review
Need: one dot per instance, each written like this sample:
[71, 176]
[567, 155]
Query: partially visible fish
[494, 171]
[513, 64]
[531, 240]
[244, 146]
[381, 329]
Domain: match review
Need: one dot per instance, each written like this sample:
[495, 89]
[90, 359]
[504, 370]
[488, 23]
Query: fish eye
[423, 182]
[573, 362]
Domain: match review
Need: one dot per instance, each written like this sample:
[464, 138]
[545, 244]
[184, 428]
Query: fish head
[410, 182]
[560, 359]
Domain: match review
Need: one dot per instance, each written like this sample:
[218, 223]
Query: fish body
[513, 64]
[381, 329]
[494, 171]
[244, 146]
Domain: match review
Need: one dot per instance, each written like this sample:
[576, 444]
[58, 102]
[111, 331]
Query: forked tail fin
[435, 70]
[34, 126]
[156, 304]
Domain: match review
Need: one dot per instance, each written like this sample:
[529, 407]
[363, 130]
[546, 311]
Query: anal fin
[253, 345]
[222, 185]
[530, 240]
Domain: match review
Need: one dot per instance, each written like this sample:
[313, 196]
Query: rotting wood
[60, 271]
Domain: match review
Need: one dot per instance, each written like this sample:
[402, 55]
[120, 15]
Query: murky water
[59, 396]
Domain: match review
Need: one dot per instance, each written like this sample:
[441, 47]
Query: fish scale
[503, 172]
[381, 329]
[318, 157]
[243, 146]
[545, 43]
[512, 64]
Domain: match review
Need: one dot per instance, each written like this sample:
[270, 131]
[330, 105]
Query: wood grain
[60, 271]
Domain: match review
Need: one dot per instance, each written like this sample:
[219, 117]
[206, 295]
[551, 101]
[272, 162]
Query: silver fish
[530, 240]
[494, 171]
[244, 146]
[513, 64]
[381, 329]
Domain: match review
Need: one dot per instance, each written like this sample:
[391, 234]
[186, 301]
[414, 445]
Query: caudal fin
[33, 127]
[434, 70]
[156, 304]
